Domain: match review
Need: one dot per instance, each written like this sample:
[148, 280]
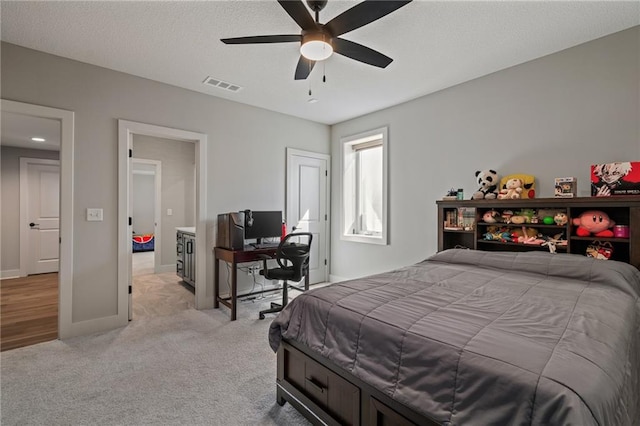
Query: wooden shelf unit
[624, 210]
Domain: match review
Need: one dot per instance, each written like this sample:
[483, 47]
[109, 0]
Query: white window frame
[349, 189]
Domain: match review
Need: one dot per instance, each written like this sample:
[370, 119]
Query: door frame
[24, 208]
[157, 206]
[126, 130]
[65, 271]
[327, 226]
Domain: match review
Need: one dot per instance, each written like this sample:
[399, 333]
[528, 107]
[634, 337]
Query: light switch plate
[169, 212]
[94, 215]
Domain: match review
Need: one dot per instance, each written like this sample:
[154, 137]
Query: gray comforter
[486, 338]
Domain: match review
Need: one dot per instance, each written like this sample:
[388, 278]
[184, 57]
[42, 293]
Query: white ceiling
[434, 44]
[18, 129]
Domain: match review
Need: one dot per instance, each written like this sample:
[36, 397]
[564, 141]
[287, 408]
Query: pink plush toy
[594, 222]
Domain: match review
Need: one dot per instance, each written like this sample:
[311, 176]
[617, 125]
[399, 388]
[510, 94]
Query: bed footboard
[326, 394]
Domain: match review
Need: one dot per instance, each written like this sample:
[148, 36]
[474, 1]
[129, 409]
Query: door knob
[34, 224]
[293, 228]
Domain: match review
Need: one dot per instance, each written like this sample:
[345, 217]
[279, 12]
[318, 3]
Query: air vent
[210, 81]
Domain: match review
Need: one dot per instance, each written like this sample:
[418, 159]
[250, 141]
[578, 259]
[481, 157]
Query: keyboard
[265, 245]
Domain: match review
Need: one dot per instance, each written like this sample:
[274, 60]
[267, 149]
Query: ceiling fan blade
[304, 68]
[360, 53]
[362, 14]
[262, 39]
[298, 11]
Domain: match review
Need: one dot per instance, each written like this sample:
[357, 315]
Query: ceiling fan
[318, 41]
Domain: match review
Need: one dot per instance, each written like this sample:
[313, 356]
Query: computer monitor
[266, 224]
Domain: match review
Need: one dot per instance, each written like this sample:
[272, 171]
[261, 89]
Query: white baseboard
[9, 273]
[336, 279]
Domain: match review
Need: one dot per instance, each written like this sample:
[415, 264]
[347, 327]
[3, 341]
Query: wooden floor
[28, 310]
[29, 306]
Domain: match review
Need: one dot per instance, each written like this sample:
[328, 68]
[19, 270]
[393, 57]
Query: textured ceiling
[434, 45]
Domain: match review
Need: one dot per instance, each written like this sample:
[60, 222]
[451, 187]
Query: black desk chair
[297, 254]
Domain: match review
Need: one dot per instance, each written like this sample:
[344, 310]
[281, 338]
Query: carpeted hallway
[191, 367]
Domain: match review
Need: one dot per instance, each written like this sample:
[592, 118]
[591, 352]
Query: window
[364, 187]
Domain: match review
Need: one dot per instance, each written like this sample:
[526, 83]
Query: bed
[467, 337]
[144, 242]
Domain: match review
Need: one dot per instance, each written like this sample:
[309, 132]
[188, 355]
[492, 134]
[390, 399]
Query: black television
[262, 224]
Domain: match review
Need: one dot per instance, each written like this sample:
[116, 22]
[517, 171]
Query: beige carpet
[160, 295]
[157, 294]
[142, 263]
[189, 368]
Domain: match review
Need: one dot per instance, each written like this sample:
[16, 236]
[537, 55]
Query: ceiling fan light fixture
[315, 47]
[318, 41]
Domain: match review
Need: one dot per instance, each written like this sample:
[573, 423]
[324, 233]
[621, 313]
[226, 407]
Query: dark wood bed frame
[329, 395]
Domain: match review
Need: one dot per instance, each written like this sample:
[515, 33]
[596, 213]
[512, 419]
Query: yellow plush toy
[528, 185]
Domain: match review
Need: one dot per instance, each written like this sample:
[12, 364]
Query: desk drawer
[334, 394]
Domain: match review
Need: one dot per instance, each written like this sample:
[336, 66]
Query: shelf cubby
[624, 210]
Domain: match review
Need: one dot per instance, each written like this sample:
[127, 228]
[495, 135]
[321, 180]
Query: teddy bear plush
[528, 184]
[512, 189]
[488, 181]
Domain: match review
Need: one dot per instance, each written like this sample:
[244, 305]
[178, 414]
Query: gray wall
[10, 177]
[178, 186]
[551, 117]
[246, 155]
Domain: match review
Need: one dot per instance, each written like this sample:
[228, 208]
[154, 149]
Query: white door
[43, 217]
[308, 206]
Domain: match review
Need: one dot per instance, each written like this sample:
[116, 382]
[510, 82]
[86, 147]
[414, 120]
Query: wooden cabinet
[455, 231]
[186, 256]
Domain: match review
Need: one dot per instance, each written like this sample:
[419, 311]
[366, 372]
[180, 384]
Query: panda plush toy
[488, 181]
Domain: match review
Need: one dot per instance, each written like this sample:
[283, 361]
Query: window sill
[367, 239]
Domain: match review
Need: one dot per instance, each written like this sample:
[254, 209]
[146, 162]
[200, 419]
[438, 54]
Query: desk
[234, 257]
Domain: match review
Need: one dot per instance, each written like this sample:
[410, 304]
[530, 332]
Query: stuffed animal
[512, 189]
[527, 213]
[561, 219]
[497, 234]
[488, 181]
[491, 216]
[506, 216]
[524, 235]
[518, 219]
[528, 184]
[594, 222]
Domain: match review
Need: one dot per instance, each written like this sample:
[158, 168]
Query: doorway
[54, 243]
[126, 132]
[146, 190]
[162, 199]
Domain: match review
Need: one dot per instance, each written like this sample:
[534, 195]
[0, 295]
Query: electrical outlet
[253, 270]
